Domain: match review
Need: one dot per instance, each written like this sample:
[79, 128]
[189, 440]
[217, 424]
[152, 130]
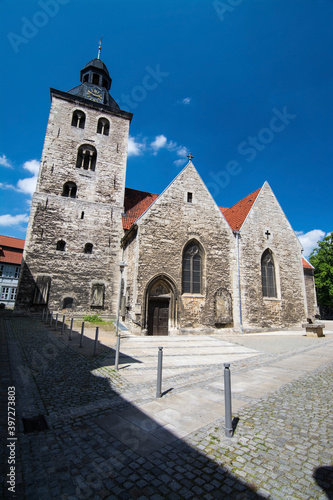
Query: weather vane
[99, 48]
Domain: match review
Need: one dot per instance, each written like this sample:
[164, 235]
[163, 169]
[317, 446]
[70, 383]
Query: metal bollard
[227, 401]
[56, 321]
[63, 325]
[116, 361]
[82, 331]
[43, 314]
[51, 318]
[159, 373]
[46, 317]
[96, 340]
[70, 330]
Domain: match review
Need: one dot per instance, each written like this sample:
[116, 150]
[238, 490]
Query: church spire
[99, 48]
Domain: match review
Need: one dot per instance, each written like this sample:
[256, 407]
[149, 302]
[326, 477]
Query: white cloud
[32, 166]
[179, 163]
[186, 100]
[135, 148]
[310, 239]
[182, 151]
[4, 161]
[28, 185]
[13, 220]
[4, 185]
[159, 142]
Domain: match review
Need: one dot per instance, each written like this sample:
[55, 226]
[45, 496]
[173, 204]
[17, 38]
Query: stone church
[190, 265]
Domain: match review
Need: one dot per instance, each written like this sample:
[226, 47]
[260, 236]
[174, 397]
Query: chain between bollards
[159, 373]
[227, 401]
[96, 340]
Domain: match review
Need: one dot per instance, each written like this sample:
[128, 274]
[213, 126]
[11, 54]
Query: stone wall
[289, 307]
[93, 216]
[163, 232]
[311, 298]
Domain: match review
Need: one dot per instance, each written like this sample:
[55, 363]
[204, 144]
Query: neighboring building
[190, 264]
[11, 251]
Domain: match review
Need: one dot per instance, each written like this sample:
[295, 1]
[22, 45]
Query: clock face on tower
[94, 94]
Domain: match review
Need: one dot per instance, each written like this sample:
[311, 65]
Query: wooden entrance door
[158, 317]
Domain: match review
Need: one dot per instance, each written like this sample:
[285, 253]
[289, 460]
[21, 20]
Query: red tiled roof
[306, 264]
[11, 250]
[136, 203]
[237, 214]
[10, 242]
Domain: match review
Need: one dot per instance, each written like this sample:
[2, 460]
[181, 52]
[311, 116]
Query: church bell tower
[72, 248]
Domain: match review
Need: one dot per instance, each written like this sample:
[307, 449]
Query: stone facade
[311, 299]
[191, 266]
[73, 236]
[154, 252]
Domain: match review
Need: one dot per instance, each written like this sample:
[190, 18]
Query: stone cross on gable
[268, 234]
[189, 156]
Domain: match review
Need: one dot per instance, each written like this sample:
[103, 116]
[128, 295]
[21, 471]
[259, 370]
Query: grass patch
[95, 320]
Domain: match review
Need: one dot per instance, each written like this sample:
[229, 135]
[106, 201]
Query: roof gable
[237, 214]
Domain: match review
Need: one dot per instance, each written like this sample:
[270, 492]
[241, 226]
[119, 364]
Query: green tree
[322, 260]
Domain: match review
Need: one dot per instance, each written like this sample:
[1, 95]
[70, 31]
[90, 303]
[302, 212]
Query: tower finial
[99, 48]
[189, 156]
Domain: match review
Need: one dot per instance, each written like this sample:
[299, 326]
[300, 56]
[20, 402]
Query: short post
[70, 330]
[63, 325]
[227, 401]
[116, 361]
[81, 336]
[56, 321]
[46, 317]
[51, 318]
[43, 314]
[159, 373]
[96, 340]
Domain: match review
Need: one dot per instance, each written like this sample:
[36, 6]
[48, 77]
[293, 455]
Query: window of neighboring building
[5, 292]
[103, 126]
[268, 276]
[192, 268]
[86, 157]
[61, 245]
[69, 190]
[17, 271]
[88, 248]
[78, 119]
[2, 269]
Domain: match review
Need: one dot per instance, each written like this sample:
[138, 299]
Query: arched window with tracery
[268, 275]
[86, 157]
[69, 190]
[78, 119]
[192, 268]
[103, 126]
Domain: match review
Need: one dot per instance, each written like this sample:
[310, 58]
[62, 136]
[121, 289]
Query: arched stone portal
[160, 306]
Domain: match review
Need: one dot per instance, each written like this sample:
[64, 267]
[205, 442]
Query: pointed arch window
[86, 157]
[103, 126]
[69, 190]
[268, 275]
[78, 119]
[192, 269]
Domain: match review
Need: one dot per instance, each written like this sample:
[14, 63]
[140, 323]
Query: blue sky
[245, 85]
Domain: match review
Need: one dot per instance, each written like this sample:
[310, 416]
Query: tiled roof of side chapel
[137, 202]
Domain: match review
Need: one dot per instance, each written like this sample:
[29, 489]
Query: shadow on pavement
[324, 479]
[98, 444]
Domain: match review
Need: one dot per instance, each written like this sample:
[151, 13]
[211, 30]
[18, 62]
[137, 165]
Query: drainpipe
[237, 234]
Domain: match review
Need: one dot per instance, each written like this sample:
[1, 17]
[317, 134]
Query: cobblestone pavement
[281, 449]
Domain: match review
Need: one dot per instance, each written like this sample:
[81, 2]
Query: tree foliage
[322, 260]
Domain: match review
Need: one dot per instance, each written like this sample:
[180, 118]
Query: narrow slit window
[189, 197]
